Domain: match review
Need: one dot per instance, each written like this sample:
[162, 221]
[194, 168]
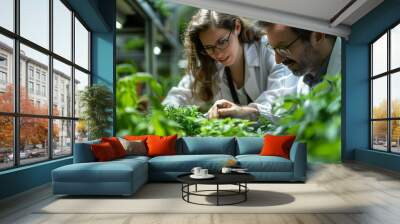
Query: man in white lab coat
[309, 55]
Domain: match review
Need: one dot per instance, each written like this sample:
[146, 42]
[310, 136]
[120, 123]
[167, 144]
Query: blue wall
[100, 17]
[356, 85]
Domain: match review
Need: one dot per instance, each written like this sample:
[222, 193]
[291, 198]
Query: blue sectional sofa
[125, 176]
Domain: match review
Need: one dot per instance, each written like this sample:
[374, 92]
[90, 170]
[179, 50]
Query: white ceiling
[316, 15]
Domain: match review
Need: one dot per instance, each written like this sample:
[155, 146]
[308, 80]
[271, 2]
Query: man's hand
[225, 108]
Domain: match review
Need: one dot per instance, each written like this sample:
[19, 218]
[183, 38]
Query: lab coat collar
[252, 63]
[252, 59]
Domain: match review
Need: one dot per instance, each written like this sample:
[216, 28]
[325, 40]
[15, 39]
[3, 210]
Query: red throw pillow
[116, 145]
[103, 151]
[136, 137]
[277, 145]
[159, 145]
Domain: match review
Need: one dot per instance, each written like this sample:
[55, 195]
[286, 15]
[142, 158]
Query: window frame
[388, 74]
[16, 114]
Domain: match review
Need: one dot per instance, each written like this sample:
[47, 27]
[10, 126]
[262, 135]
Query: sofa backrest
[83, 152]
[206, 145]
[249, 145]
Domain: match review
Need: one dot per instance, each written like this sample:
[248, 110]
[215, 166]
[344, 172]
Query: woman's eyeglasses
[222, 44]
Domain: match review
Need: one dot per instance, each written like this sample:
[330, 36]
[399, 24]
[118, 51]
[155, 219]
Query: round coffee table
[238, 179]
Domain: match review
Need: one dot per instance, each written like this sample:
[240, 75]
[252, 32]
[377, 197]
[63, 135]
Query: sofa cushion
[185, 163]
[112, 171]
[249, 145]
[207, 145]
[257, 163]
[103, 151]
[116, 145]
[135, 147]
[277, 145]
[161, 145]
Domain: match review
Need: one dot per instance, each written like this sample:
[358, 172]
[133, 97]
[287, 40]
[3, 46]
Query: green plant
[194, 123]
[141, 114]
[134, 43]
[188, 118]
[314, 118]
[96, 102]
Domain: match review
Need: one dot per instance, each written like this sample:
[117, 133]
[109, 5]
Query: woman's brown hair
[201, 66]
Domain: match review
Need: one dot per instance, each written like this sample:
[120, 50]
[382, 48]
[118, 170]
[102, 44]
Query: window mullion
[16, 84]
[389, 106]
[50, 81]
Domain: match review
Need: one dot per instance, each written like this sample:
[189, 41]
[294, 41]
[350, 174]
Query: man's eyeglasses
[222, 44]
[283, 51]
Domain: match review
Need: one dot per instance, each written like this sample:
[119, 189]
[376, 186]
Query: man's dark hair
[303, 34]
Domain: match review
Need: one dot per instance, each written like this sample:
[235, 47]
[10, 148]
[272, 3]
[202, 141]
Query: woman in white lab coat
[228, 59]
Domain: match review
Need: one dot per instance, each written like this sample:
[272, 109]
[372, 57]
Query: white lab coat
[261, 74]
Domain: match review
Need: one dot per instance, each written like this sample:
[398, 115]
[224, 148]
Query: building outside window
[34, 73]
[385, 94]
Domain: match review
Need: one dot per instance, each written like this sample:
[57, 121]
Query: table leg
[196, 188]
[245, 193]
[217, 194]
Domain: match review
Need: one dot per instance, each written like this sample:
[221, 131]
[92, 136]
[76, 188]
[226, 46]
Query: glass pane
[81, 45]
[379, 98]
[6, 142]
[62, 29]
[33, 139]
[62, 138]
[81, 81]
[6, 74]
[81, 131]
[34, 97]
[62, 89]
[395, 94]
[379, 55]
[395, 136]
[7, 14]
[395, 47]
[35, 21]
[379, 135]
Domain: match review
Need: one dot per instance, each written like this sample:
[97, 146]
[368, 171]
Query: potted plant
[96, 102]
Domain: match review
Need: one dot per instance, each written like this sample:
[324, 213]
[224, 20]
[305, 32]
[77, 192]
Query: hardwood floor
[377, 188]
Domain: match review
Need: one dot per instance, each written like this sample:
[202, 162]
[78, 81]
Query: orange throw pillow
[116, 145]
[161, 145]
[103, 151]
[277, 145]
[136, 137]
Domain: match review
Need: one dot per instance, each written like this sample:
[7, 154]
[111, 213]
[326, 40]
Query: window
[44, 91]
[54, 125]
[3, 72]
[38, 89]
[30, 72]
[6, 73]
[3, 61]
[7, 14]
[3, 78]
[81, 45]
[37, 74]
[30, 87]
[385, 96]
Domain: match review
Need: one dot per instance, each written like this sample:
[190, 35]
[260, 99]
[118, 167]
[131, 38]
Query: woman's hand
[225, 108]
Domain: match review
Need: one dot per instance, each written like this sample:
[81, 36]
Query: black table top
[220, 178]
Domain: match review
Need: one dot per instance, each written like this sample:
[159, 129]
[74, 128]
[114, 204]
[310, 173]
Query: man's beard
[308, 62]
